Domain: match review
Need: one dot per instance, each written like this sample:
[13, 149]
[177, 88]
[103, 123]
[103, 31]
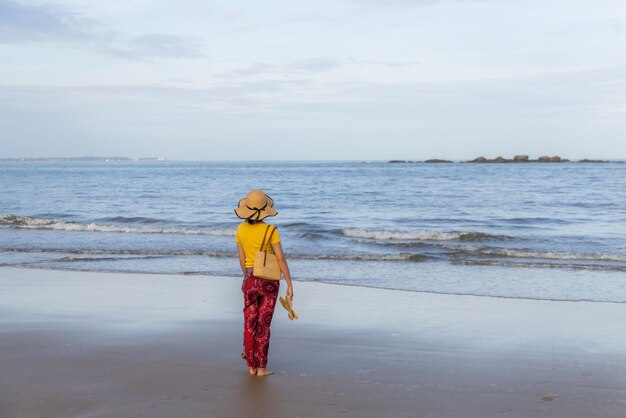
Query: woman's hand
[284, 268]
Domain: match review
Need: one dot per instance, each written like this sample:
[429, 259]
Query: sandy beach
[78, 344]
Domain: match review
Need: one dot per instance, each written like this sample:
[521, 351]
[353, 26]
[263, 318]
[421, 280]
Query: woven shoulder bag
[265, 263]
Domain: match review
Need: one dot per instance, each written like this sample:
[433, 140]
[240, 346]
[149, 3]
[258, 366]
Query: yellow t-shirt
[251, 236]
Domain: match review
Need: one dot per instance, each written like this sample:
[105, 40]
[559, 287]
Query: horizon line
[166, 159]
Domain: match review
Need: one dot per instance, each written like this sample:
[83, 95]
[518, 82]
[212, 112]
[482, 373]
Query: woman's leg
[267, 303]
[251, 298]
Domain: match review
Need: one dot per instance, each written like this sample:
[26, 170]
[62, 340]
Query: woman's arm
[282, 262]
[242, 258]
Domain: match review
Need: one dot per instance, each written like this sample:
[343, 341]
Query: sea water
[544, 231]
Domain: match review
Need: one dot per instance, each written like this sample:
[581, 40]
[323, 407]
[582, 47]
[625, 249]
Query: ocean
[543, 231]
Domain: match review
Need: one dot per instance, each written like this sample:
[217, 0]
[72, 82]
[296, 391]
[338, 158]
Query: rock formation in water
[518, 159]
[521, 158]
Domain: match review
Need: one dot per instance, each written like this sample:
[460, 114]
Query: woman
[259, 295]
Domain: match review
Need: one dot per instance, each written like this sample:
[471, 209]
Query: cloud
[564, 95]
[228, 97]
[406, 3]
[390, 64]
[307, 65]
[387, 3]
[253, 69]
[155, 45]
[316, 64]
[529, 110]
[20, 22]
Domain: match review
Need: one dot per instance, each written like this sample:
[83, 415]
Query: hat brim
[244, 213]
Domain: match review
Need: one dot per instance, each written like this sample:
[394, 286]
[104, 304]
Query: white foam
[398, 235]
[362, 257]
[26, 222]
[547, 255]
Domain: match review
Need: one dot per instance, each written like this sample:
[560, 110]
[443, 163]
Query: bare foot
[264, 372]
[252, 370]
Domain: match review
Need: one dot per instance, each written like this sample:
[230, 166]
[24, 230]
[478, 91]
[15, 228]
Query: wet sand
[76, 344]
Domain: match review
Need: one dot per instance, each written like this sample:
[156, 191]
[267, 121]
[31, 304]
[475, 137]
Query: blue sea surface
[543, 231]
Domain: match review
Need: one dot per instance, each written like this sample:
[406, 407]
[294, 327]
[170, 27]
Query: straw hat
[255, 206]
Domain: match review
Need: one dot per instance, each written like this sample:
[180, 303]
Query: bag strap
[264, 235]
[269, 240]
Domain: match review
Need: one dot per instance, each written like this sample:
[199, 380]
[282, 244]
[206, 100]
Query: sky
[322, 80]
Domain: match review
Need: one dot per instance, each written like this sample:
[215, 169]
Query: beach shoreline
[82, 344]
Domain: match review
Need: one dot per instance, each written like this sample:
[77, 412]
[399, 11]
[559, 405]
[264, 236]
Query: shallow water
[555, 231]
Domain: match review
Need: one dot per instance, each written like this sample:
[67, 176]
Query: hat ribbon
[257, 212]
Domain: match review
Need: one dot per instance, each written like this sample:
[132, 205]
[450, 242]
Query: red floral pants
[259, 297]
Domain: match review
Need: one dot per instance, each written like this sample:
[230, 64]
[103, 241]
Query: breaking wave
[496, 263]
[123, 252]
[417, 235]
[546, 255]
[27, 222]
[148, 253]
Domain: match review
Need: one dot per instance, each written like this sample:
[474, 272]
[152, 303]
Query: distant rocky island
[520, 159]
[89, 159]
[501, 160]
